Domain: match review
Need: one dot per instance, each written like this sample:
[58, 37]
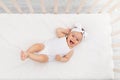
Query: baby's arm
[64, 58]
[61, 32]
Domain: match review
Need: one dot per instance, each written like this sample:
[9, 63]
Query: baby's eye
[77, 39]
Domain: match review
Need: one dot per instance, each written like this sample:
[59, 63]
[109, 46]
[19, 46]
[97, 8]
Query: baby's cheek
[77, 43]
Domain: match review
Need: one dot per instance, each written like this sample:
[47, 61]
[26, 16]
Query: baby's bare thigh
[36, 47]
[43, 58]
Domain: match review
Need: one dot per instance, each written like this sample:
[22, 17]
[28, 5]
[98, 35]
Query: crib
[111, 7]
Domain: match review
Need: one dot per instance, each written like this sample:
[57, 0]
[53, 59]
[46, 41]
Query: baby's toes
[23, 56]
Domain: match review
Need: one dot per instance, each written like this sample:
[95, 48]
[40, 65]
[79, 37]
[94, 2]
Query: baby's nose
[74, 39]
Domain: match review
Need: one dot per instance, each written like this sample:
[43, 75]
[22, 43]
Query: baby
[59, 49]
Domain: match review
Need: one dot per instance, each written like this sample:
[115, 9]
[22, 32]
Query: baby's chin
[71, 45]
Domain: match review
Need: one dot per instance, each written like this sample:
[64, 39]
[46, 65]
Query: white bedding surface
[92, 59]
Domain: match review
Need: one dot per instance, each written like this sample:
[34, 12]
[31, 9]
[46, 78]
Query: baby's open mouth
[71, 42]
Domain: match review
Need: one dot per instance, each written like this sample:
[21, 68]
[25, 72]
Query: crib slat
[42, 5]
[114, 7]
[115, 20]
[17, 6]
[4, 7]
[116, 70]
[93, 5]
[55, 6]
[116, 57]
[116, 45]
[107, 4]
[28, 2]
[81, 6]
[115, 33]
[68, 6]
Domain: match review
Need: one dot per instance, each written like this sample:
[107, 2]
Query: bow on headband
[78, 28]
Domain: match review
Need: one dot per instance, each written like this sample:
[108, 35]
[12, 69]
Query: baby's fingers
[58, 57]
[67, 31]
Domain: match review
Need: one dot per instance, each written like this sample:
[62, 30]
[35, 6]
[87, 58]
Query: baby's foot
[24, 55]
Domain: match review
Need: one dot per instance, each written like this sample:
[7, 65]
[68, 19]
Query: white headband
[78, 28]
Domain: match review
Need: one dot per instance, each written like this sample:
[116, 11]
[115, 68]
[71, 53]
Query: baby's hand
[68, 30]
[58, 57]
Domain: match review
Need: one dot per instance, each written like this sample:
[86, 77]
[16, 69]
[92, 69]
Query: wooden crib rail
[28, 2]
[92, 6]
[116, 70]
[4, 7]
[67, 9]
[68, 5]
[115, 33]
[55, 6]
[16, 5]
[81, 5]
[116, 20]
[114, 7]
[115, 45]
[42, 5]
[105, 6]
[116, 57]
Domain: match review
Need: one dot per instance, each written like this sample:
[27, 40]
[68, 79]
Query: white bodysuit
[55, 46]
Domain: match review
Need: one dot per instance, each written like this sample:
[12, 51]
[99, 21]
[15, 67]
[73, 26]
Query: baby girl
[59, 49]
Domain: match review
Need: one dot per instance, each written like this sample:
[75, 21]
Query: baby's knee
[43, 58]
[39, 45]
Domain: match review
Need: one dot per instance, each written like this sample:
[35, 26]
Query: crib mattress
[92, 59]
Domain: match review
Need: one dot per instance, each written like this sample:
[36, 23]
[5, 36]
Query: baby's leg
[34, 48]
[39, 58]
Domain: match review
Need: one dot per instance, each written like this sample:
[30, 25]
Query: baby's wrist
[58, 57]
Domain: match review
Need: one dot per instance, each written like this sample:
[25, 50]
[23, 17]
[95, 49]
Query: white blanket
[92, 59]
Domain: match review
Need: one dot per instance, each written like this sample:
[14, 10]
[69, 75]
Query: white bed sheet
[92, 58]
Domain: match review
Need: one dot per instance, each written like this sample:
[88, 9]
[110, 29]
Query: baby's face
[74, 38]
